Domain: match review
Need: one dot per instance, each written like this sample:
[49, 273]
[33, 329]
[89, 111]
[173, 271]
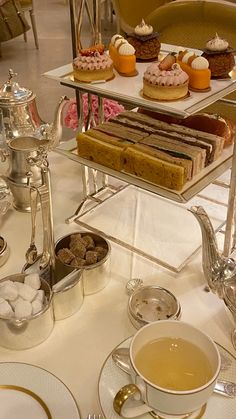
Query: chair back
[191, 23]
[130, 13]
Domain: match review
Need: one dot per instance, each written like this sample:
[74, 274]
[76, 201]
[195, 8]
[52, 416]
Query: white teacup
[144, 395]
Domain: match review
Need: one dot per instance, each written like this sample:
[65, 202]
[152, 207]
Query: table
[79, 345]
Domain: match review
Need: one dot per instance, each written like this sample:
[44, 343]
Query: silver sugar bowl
[30, 331]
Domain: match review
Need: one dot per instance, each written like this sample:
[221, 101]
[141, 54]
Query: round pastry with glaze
[167, 85]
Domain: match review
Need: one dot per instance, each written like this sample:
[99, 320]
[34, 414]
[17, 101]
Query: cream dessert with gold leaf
[197, 68]
[123, 56]
[145, 41]
[165, 80]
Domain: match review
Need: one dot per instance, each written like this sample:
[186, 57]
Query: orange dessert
[197, 67]
[123, 56]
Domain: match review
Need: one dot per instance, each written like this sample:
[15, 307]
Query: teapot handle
[126, 410]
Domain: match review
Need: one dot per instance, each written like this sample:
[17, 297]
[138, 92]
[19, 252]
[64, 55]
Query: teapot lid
[12, 93]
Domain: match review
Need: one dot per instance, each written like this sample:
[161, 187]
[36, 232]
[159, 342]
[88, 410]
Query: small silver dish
[4, 251]
[151, 303]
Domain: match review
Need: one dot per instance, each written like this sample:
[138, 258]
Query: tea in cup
[174, 368]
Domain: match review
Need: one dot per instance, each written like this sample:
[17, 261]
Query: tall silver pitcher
[19, 151]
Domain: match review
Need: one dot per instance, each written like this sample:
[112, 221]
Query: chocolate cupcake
[145, 41]
[220, 57]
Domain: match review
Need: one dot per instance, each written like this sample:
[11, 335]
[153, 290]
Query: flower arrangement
[111, 109]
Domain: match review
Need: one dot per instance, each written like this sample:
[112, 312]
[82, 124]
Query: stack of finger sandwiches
[165, 154]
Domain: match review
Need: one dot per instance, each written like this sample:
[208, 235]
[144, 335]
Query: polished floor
[55, 50]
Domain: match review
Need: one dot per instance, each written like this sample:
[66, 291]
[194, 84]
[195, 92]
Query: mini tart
[92, 67]
[89, 76]
[165, 92]
[166, 85]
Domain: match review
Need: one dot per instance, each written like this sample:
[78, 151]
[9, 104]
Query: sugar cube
[26, 292]
[37, 306]
[14, 302]
[40, 296]
[5, 308]
[33, 281]
[23, 309]
[8, 291]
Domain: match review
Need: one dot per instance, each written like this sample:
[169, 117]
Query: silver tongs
[46, 261]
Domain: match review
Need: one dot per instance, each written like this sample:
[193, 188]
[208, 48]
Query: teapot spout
[53, 132]
[217, 269]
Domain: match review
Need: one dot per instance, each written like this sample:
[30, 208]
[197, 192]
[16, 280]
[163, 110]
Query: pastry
[123, 56]
[145, 42]
[220, 57]
[197, 67]
[93, 64]
[168, 84]
[213, 124]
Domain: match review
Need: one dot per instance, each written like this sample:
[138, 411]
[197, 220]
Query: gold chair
[129, 12]
[191, 23]
[28, 6]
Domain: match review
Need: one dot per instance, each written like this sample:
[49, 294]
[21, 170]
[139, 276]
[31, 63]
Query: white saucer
[112, 379]
[27, 391]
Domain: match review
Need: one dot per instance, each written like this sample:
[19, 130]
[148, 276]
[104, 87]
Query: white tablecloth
[78, 345]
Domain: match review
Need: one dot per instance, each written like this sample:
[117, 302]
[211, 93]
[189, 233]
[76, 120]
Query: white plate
[27, 391]
[112, 379]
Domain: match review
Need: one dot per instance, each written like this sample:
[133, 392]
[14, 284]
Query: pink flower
[111, 109]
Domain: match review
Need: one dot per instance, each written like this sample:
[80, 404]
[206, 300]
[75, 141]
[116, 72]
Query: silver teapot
[20, 115]
[219, 271]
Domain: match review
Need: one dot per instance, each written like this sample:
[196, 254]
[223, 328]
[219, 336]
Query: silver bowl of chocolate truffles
[87, 253]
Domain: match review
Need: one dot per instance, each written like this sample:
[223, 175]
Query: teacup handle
[125, 394]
